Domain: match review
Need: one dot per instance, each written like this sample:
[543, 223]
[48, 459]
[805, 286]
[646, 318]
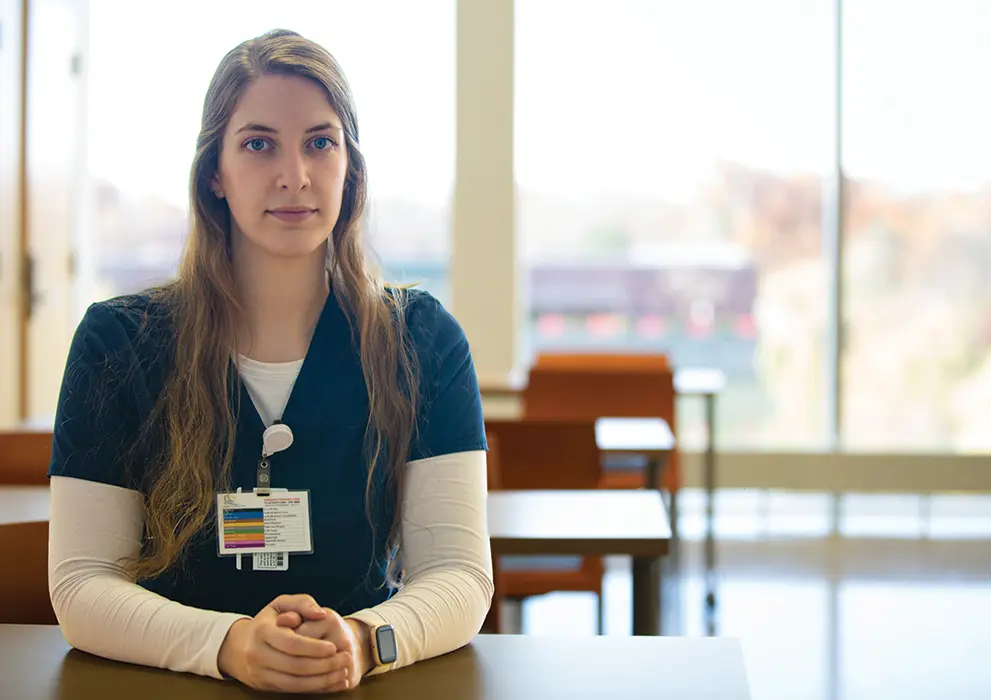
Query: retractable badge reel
[276, 438]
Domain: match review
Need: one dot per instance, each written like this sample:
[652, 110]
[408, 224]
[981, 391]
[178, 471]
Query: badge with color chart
[251, 523]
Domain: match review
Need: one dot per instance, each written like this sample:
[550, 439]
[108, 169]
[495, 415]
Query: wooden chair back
[632, 362]
[24, 595]
[587, 387]
[493, 462]
[493, 620]
[24, 457]
[545, 454]
[541, 455]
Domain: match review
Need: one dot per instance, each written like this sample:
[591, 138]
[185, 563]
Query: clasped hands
[295, 646]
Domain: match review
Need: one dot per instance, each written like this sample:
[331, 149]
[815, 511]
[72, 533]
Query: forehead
[283, 102]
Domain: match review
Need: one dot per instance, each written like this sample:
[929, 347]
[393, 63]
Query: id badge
[275, 523]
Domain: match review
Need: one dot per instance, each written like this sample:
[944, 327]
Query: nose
[293, 173]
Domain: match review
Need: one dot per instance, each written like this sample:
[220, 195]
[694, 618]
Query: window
[670, 159]
[917, 247]
[149, 66]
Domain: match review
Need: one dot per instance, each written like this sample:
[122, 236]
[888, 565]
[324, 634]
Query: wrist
[363, 640]
[228, 648]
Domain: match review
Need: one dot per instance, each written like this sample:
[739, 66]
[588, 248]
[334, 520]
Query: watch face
[385, 640]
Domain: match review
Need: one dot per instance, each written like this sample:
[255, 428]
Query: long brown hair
[194, 414]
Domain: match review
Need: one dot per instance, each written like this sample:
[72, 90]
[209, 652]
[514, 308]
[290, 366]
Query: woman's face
[283, 163]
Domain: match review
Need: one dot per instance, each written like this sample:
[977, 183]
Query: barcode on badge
[270, 561]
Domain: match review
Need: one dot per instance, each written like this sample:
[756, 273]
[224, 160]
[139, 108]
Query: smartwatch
[384, 649]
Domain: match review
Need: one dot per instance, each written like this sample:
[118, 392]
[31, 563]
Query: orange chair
[24, 599]
[24, 595]
[544, 455]
[587, 387]
[616, 361]
[24, 457]
[493, 620]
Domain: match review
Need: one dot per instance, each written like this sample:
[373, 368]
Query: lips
[292, 214]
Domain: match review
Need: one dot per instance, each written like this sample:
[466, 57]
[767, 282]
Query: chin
[293, 243]
[296, 250]
[285, 241]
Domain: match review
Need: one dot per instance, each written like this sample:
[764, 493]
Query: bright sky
[625, 95]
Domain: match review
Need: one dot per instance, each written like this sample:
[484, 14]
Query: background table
[647, 438]
[589, 523]
[36, 664]
[23, 504]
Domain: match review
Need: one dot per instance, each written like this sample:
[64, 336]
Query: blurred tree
[612, 239]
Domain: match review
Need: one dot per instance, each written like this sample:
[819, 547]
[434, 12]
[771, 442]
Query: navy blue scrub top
[117, 364]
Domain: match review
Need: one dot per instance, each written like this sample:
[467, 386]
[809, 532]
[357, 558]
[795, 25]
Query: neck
[282, 300]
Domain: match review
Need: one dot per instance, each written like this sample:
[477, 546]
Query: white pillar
[11, 93]
[483, 250]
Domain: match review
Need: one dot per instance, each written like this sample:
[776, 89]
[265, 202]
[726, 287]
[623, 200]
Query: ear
[218, 191]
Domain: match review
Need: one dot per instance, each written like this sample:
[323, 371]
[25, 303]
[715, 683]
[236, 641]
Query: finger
[288, 683]
[303, 604]
[272, 659]
[333, 629]
[314, 630]
[289, 619]
[322, 629]
[289, 642]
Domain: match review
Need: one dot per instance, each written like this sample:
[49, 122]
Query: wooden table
[37, 664]
[647, 438]
[589, 523]
[23, 504]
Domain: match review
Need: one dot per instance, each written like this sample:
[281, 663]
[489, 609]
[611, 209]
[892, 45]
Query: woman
[276, 360]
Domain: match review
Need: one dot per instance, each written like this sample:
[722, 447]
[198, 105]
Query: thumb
[291, 620]
[303, 605]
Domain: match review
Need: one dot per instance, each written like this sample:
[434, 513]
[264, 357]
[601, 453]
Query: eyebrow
[270, 130]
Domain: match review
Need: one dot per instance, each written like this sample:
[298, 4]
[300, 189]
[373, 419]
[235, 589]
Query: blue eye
[256, 145]
[322, 143]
